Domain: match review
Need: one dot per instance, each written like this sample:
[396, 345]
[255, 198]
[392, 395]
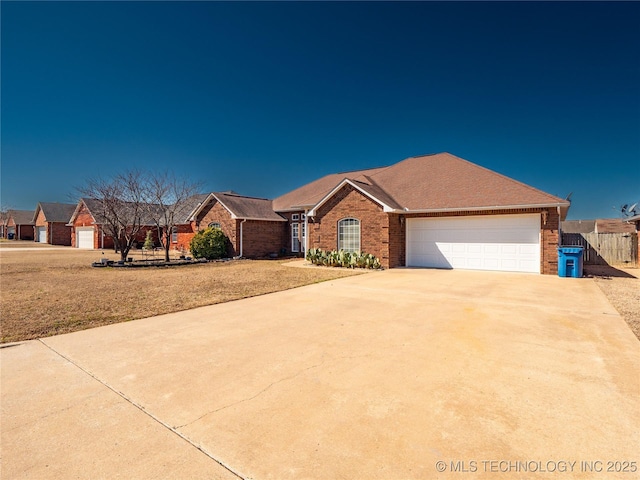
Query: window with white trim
[349, 235]
[295, 216]
[303, 217]
[174, 235]
[295, 237]
[214, 225]
[304, 234]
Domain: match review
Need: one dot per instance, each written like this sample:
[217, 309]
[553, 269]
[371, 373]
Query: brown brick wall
[549, 242]
[350, 203]
[397, 241]
[59, 233]
[260, 238]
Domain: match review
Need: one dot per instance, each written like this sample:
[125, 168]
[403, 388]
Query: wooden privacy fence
[605, 248]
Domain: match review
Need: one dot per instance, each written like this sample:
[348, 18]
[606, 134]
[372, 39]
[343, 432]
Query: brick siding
[384, 235]
[374, 224]
[260, 238]
[58, 233]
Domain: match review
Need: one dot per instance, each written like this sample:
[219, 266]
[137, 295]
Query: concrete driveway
[402, 374]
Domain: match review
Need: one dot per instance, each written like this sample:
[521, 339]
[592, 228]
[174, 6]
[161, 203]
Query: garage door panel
[84, 237]
[491, 242]
[41, 234]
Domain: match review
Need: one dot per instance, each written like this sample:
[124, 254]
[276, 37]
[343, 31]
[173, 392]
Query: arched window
[214, 225]
[174, 235]
[349, 235]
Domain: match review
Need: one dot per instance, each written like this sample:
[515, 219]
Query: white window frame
[295, 237]
[295, 217]
[174, 235]
[303, 242]
[214, 225]
[346, 238]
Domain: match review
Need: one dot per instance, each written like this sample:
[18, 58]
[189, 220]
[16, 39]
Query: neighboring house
[429, 211]
[253, 228]
[87, 226]
[19, 224]
[578, 226]
[613, 225]
[634, 221]
[51, 222]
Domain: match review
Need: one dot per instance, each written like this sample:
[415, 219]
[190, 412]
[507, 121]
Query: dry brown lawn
[47, 292]
[622, 288]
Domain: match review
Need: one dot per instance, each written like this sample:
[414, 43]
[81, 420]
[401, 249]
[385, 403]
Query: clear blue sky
[261, 98]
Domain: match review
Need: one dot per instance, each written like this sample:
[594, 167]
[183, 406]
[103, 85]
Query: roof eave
[344, 182]
[260, 219]
[483, 208]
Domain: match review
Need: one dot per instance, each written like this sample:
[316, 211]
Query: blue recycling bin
[570, 261]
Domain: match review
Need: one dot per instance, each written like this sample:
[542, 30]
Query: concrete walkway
[399, 374]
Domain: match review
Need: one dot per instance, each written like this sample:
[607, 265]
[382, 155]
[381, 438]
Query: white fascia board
[480, 209]
[260, 219]
[346, 181]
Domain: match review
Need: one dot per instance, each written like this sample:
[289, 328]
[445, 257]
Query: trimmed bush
[340, 258]
[210, 244]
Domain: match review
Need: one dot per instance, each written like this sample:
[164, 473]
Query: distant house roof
[243, 207]
[578, 226]
[438, 182]
[21, 217]
[614, 225]
[189, 207]
[95, 208]
[55, 212]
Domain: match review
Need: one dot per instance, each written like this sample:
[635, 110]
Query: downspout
[306, 233]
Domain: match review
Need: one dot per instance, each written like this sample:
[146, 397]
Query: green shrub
[210, 244]
[340, 258]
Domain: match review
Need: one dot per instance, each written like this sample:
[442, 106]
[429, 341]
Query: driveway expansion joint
[144, 411]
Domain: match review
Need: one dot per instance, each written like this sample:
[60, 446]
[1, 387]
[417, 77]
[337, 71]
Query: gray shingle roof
[22, 217]
[430, 182]
[56, 212]
[248, 207]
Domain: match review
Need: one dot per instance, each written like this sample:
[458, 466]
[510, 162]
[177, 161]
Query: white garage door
[41, 234]
[484, 242]
[84, 237]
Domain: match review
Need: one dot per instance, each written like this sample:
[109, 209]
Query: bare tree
[170, 200]
[5, 213]
[120, 204]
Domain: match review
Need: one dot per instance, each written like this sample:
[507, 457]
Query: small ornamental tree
[148, 241]
[210, 244]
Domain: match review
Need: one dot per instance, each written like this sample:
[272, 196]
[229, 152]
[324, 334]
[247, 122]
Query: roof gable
[310, 194]
[21, 217]
[242, 207]
[55, 212]
[248, 207]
